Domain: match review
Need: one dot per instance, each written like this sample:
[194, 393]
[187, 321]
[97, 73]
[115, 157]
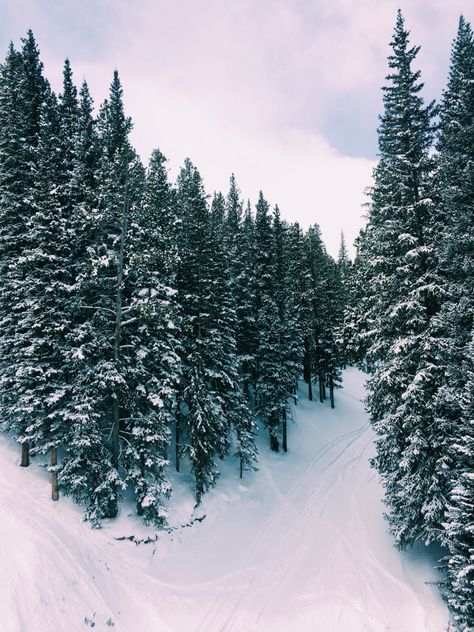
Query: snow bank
[299, 545]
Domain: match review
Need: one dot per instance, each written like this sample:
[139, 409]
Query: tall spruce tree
[407, 293]
[269, 379]
[22, 102]
[153, 326]
[103, 350]
[14, 213]
[454, 324]
[242, 270]
[86, 460]
[202, 427]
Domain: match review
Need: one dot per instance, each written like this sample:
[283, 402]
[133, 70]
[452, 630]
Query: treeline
[412, 311]
[140, 326]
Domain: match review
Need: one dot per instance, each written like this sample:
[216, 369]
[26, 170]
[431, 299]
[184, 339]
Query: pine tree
[223, 317]
[102, 361]
[86, 461]
[43, 386]
[269, 382]
[242, 260]
[23, 90]
[360, 312]
[153, 358]
[203, 431]
[407, 292]
[14, 213]
[460, 510]
[321, 318]
[291, 341]
[344, 265]
[454, 324]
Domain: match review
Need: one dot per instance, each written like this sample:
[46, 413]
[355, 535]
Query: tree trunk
[25, 454]
[306, 362]
[246, 389]
[321, 388]
[177, 438]
[295, 393]
[274, 445]
[241, 473]
[284, 437]
[54, 475]
[307, 370]
[331, 389]
[142, 472]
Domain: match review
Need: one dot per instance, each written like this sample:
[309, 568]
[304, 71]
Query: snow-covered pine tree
[218, 220]
[43, 385]
[22, 87]
[358, 324]
[344, 265]
[240, 242]
[459, 525]
[269, 382]
[321, 337]
[154, 363]
[291, 342]
[13, 216]
[343, 259]
[296, 306]
[223, 322]
[452, 328]
[102, 352]
[69, 116]
[202, 427]
[86, 462]
[334, 301]
[406, 292]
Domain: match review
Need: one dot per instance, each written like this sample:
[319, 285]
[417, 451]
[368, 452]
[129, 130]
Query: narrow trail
[300, 545]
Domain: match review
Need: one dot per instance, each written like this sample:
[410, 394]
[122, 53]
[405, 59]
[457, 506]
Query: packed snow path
[299, 545]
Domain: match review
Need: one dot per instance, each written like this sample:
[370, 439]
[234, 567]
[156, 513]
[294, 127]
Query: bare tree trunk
[241, 473]
[284, 436]
[331, 389]
[25, 454]
[321, 388]
[54, 475]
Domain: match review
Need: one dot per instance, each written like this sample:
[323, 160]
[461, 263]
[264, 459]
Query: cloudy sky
[284, 93]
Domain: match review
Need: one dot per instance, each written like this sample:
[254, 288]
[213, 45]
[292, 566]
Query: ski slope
[300, 545]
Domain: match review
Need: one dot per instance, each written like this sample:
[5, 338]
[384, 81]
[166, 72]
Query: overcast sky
[284, 93]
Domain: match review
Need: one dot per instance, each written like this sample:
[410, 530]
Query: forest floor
[300, 545]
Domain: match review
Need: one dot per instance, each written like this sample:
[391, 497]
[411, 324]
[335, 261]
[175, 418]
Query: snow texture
[299, 545]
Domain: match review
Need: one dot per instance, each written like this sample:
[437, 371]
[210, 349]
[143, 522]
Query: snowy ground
[299, 545]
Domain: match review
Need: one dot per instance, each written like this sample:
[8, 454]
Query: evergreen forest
[146, 326]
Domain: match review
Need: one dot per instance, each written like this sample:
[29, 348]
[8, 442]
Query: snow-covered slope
[299, 545]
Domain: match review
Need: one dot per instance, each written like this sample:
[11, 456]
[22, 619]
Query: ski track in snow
[300, 545]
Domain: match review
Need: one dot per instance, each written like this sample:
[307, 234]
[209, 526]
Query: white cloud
[255, 88]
